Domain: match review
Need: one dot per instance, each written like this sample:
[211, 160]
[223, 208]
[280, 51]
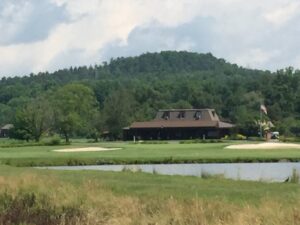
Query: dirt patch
[88, 149]
[267, 145]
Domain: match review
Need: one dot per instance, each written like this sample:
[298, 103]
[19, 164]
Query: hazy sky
[40, 35]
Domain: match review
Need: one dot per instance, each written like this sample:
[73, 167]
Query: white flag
[263, 109]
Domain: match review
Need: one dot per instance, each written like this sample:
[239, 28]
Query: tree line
[87, 101]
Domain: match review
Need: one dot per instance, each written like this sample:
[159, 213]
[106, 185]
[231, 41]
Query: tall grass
[47, 200]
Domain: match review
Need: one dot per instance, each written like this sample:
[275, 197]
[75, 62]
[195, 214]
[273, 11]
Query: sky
[47, 35]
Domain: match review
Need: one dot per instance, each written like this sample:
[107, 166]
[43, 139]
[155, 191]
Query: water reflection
[268, 172]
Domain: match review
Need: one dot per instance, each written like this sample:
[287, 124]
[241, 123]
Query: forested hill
[154, 64]
[169, 80]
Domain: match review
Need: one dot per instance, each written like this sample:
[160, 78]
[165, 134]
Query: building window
[181, 115]
[213, 113]
[198, 115]
[166, 115]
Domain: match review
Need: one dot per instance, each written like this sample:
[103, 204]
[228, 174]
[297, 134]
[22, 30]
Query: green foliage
[235, 137]
[151, 142]
[289, 126]
[55, 140]
[194, 141]
[134, 88]
[289, 139]
[118, 112]
[5, 114]
[256, 139]
[33, 120]
[73, 107]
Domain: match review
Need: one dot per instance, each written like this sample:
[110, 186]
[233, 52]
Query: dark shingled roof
[180, 124]
[181, 118]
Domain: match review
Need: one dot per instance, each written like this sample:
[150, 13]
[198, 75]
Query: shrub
[290, 139]
[14, 143]
[237, 137]
[226, 137]
[154, 142]
[255, 139]
[150, 142]
[194, 141]
[55, 140]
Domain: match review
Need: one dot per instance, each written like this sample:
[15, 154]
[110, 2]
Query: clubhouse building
[4, 131]
[179, 124]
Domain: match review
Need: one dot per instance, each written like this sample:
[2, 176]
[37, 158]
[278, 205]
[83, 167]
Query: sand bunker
[267, 145]
[88, 149]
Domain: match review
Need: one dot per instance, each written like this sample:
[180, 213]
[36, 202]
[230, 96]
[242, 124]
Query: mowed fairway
[141, 153]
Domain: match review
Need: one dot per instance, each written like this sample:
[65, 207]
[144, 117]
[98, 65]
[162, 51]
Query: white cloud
[256, 57]
[282, 15]
[12, 19]
[236, 30]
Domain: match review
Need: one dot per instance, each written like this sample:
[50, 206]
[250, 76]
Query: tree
[32, 121]
[95, 127]
[73, 105]
[182, 104]
[166, 80]
[118, 112]
[5, 114]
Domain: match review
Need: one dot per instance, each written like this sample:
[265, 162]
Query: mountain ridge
[172, 79]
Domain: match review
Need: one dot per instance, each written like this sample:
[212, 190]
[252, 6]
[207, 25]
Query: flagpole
[260, 127]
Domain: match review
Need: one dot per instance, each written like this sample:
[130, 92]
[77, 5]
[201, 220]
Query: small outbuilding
[4, 131]
[179, 124]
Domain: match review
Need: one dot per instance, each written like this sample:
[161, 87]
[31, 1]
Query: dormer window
[198, 115]
[213, 113]
[166, 115]
[181, 115]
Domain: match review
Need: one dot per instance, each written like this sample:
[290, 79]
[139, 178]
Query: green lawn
[141, 153]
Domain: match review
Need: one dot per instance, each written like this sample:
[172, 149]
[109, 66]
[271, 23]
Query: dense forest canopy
[134, 88]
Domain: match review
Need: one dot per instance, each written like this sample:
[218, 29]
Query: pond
[267, 172]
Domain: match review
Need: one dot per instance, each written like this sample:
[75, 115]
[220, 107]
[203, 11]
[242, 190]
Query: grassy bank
[141, 153]
[29, 196]
[32, 196]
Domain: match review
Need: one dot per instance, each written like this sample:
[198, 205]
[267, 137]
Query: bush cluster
[255, 139]
[55, 140]
[194, 141]
[151, 142]
[290, 139]
[235, 137]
